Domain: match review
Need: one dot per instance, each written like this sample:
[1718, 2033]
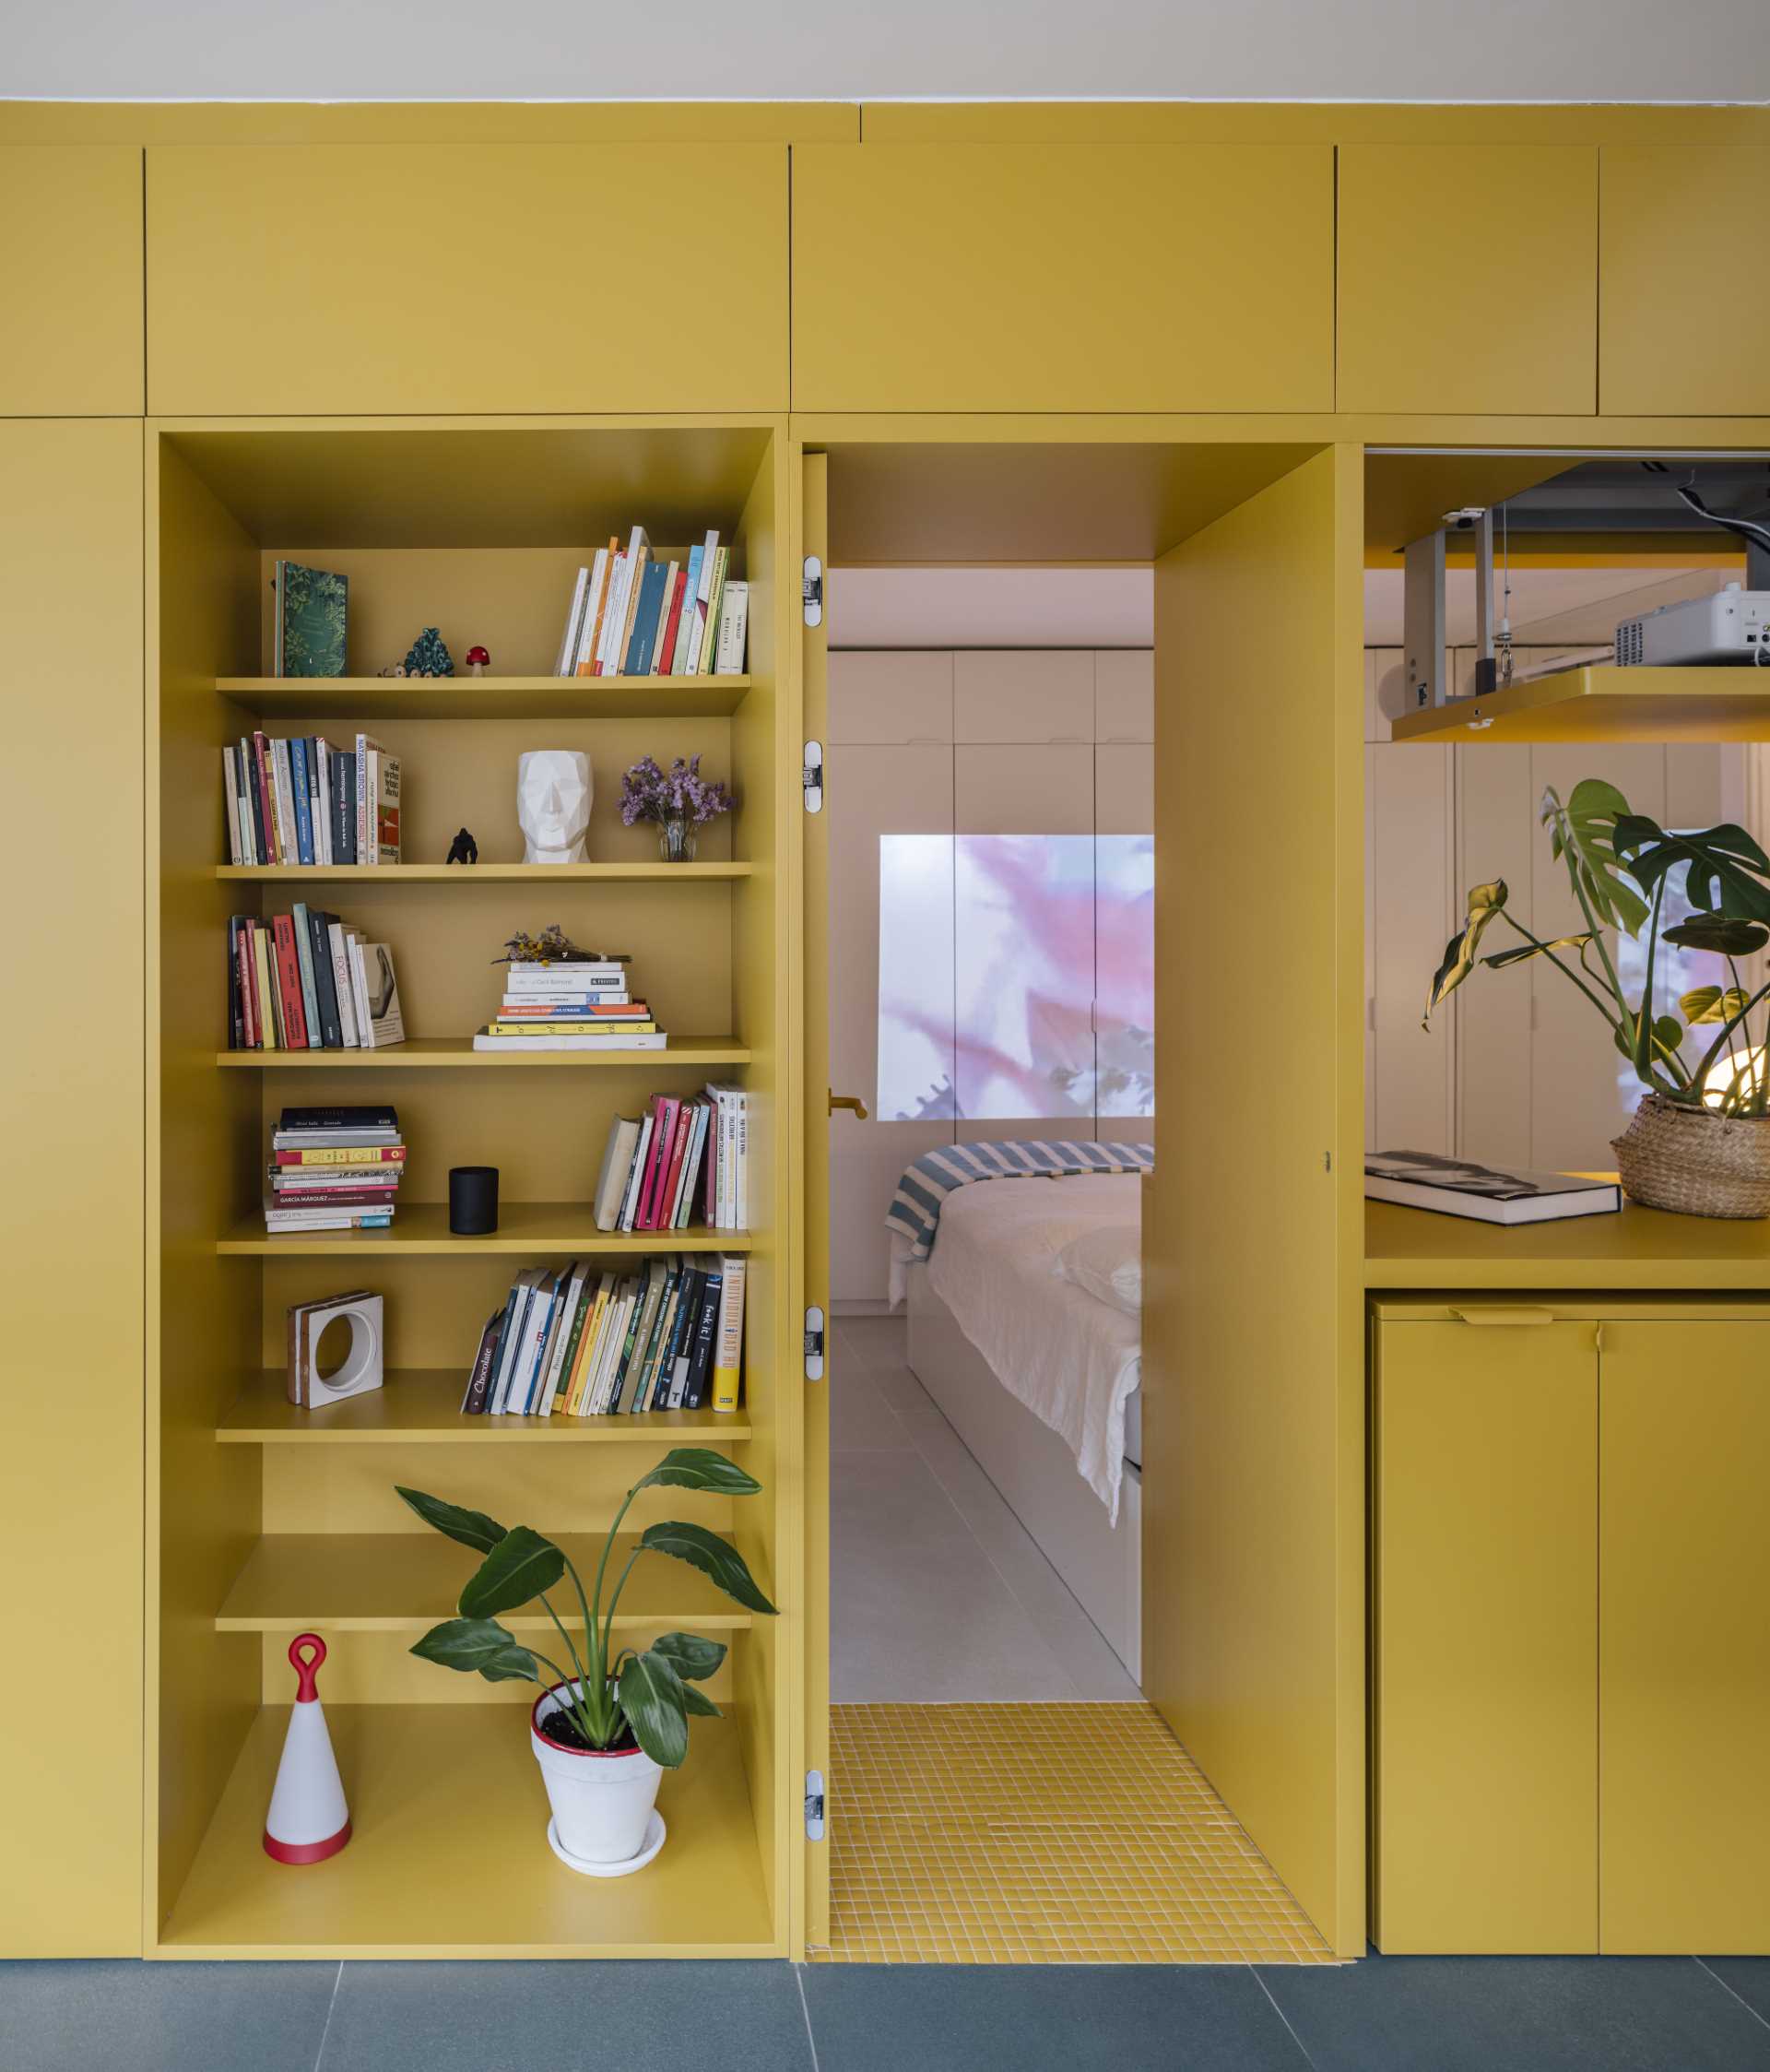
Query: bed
[1038, 1375]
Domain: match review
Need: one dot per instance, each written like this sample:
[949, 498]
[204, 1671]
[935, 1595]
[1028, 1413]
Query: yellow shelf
[480, 873]
[489, 697]
[424, 1404]
[1607, 704]
[1639, 1248]
[448, 1854]
[417, 1053]
[529, 1227]
[396, 1582]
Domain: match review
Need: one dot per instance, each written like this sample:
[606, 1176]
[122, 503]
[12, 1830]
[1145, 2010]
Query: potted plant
[605, 1733]
[1699, 1143]
[679, 800]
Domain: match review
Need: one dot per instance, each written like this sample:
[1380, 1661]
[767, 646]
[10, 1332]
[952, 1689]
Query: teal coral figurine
[428, 656]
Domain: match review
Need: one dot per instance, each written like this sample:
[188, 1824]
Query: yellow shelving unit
[1607, 704]
[265, 1519]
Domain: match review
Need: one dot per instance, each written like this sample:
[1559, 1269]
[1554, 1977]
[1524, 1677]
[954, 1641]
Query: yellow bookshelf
[265, 1519]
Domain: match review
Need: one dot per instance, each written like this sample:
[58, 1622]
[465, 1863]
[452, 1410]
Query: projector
[1733, 626]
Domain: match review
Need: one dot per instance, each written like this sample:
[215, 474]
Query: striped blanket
[913, 1217]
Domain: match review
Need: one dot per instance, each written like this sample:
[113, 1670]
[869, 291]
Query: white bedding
[1073, 1360]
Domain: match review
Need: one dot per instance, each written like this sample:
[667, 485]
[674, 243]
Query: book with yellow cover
[728, 1345]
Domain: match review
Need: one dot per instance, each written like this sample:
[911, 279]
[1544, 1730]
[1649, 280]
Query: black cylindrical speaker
[473, 1200]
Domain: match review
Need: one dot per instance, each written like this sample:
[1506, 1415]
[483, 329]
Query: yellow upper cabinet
[1469, 277]
[1686, 291]
[313, 280]
[1084, 277]
[70, 257]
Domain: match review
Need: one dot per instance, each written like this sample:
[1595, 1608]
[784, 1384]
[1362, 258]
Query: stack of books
[334, 1170]
[303, 801]
[653, 1164]
[632, 614]
[576, 1343]
[571, 1007]
[306, 981]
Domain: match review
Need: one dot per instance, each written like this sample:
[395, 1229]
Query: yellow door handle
[848, 1101]
[1495, 1315]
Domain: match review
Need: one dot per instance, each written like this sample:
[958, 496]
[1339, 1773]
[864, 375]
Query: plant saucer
[648, 1848]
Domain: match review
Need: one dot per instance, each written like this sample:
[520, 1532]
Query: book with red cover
[663, 1208]
[244, 982]
[673, 625]
[355, 1156]
[288, 976]
[328, 1196]
[663, 1138]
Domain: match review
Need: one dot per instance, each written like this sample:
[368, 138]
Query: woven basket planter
[1693, 1162]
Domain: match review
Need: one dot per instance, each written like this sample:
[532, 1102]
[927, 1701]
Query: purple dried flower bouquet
[679, 800]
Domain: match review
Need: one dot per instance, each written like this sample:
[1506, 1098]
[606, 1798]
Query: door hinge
[814, 1343]
[814, 1806]
[811, 776]
[812, 591]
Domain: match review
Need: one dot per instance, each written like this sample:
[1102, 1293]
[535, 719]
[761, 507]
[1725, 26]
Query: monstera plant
[603, 1731]
[1701, 1065]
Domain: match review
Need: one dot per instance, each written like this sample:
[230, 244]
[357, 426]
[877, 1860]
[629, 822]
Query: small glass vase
[677, 839]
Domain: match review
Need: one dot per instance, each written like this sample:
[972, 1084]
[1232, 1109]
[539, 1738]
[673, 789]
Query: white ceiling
[599, 50]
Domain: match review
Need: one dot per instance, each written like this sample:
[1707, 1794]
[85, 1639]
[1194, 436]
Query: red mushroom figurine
[478, 661]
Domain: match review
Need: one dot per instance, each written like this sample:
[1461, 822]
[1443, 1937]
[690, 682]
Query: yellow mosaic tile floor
[1040, 1834]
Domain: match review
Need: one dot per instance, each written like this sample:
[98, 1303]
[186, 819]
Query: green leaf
[651, 1697]
[472, 1528]
[1585, 831]
[1668, 1034]
[1712, 1003]
[516, 1570]
[698, 1467]
[693, 1658]
[710, 1554]
[1726, 866]
[697, 1701]
[1725, 936]
[478, 1644]
[1484, 901]
[1523, 951]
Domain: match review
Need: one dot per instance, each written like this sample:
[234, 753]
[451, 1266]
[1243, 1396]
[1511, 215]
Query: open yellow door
[811, 1915]
[1253, 1234]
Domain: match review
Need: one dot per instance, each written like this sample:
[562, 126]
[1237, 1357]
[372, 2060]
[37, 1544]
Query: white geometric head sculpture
[553, 804]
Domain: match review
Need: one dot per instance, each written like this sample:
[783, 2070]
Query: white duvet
[1073, 1360]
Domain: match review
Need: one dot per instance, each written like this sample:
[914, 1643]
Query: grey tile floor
[916, 1526]
[1412, 2013]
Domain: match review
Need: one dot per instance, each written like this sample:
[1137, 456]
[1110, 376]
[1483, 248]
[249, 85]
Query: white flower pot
[602, 1803]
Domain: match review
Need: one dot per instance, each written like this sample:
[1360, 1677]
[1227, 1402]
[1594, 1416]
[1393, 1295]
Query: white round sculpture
[553, 804]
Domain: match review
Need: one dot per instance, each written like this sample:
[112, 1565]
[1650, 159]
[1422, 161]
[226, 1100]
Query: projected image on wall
[1016, 977]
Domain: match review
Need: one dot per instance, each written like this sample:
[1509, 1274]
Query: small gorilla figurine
[464, 848]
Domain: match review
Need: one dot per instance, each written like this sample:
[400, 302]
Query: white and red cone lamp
[308, 1820]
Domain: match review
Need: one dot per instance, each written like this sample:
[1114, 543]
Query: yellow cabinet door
[1087, 277]
[72, 1102]
[310, 280]
[1468, 278]
[1684, 227]
[1485, 1648]
[70, 257]
[1684, 1655]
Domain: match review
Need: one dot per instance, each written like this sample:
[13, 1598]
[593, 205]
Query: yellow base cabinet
[1684, 1636]
[1570, 1647]
[1485, 1637]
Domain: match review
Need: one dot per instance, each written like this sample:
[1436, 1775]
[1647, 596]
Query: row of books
[653, 1164]
[576, 1343]
[634, 615]
[305, 801]
[305, 981]
[334, 1170]
[579, 1006]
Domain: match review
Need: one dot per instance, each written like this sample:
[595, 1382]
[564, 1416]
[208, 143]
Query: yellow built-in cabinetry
[71, 264]
[71, 1119]
[1468, 278]
[1087, 277]
[1570, 1667]
[365, 277]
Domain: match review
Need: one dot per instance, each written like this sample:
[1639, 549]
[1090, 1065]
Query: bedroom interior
[1172, 1555]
